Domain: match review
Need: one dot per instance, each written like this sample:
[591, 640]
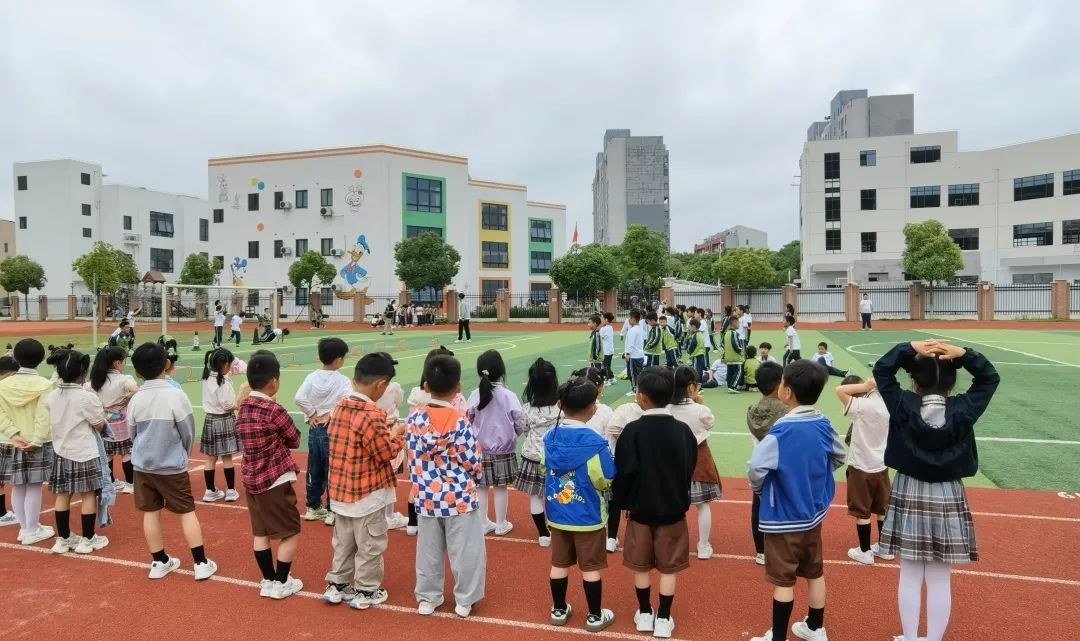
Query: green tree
[746, 267]
[106, 266]
[21, 274]
[197, 270]
[787, 262]
[585, 270]
[426, 261]
[930, 254]
[643, 256]
[311, 268]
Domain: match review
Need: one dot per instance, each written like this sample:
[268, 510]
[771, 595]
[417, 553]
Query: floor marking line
[959, 340]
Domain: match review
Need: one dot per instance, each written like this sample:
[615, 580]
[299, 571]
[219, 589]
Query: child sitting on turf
[114, 389]
[793, 466]
[162, 426]
[363, 446]
[763, 353]
[316, 398]
[498, 420]
[826, 360]
[267, 434]
[655, 462]
[444, 465]
[541, 413]
[219, 427]
[578, 469]
[931, 446]
[687, 406]
[760, 418]
[750, 367]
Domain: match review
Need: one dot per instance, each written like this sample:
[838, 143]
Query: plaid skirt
[117, 448]
[530, 479]
[219, 435]
[32, 467]
[703, 492]
[929, 522]
[7, 452]
[71, 477]
[499, 470]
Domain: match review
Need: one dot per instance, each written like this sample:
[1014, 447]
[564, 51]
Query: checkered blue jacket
[444, 461]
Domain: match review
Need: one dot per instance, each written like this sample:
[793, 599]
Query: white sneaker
[159, 570]
[210, 496]
[612, 546]
[489, 527]
[129, 488]
[504, 529]
[8, 519]
[662, 628]
[204, 571]
[42, 533]
[765, 637]
[560, 617]
[759, 558]
[463, 611]
[266, 588]
[426, 609]
[601, 623]
[803, 631]
[411, 530]
[364, 600]
[858, 556]
[330, 519]
[544, 541]
[704, 551]
[63, 546]
[88, 546]
[281, 590]
[643, 621]
[118, 485]
[884, 556]
[396, 521]
[334, 595]
[231, 496]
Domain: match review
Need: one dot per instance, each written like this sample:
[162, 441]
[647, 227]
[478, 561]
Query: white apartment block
[630, 186]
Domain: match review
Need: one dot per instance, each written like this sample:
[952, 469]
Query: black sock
[198, 554]
[541, 524]
[283, 568]
[208, 476]
[265, 560]
[160, 556]
[643, 596]
[864, 536]
[3, 503]
[411, 507]
[664, 611]
[230, 478]
[880, 528]
[614, 516]
[558, 593]
[112, 476]
[88, 523]
[594, 590]
[815, 618]
[129, 471]
[63, 524]
[781, 616]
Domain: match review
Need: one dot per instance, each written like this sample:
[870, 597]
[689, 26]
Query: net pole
[274, 308]
[165, 308]
[94, 312]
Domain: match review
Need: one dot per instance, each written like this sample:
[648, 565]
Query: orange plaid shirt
[361, 449]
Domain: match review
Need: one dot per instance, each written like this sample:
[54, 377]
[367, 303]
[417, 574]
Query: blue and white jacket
[578, 468]
[792, 469]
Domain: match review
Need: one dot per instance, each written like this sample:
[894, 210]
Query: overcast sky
[525, 89]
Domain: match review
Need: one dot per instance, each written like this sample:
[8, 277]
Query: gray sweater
[162, 425]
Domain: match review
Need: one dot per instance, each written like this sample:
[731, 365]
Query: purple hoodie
[498, 425]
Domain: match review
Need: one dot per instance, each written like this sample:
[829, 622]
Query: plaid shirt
[266, 433]
[361, 449]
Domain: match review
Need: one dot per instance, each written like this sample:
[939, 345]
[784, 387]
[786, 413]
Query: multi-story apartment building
[630, 186]
[733, 238]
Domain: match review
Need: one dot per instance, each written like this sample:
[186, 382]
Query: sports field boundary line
[991, 439]
[961, 340]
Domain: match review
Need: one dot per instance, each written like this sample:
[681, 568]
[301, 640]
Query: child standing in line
[750, 367]
[655, 462]
[929, 523]
[390, 402]
[162, 426]
[316, 398]
[668, 344]
[760, 418]
[267, 434]
[76, 414]
[635, 349]
[219, 427]
[826, 360]
[596, 348]
[114, 389]
[678, 328]
[444, 465]
[747, 321]
[868, 484]
[363, 446]
[732, 355]
[497, 419]
[792, 344]
[654, 341]
[706, 335]
[24, 422]
[705, 488]
[219, 326]
[793, 465]
[579, 468]
[696, 348]
[764, 353]
[621, 417]
[607, 344]
[237, 321]
[541, 413]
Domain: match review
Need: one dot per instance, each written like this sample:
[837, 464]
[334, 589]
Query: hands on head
[939, 349]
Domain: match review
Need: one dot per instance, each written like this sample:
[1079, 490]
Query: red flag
[574, 241]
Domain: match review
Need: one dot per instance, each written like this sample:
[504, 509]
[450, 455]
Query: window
[925, 197]
[925, 154]
[1070, 232]
[161, 260]
[832, 210]
[1033, 235]
[489, 289]
[539, 292]
[300, 201]
[86, 232]
[22, 222]
[84, 178]
[877, 277]
[127, 223]
[253, 249]
[253, 202]
[540, 231]
[832, 166]
[326, 197]
[493, 217]
[412, 231]
[278, 246]
[423, 194]
[496, 254]
[869, 242]
[868, 199]
[301, 247]
[868, 158]
[279, 197]
[161, 224]
[967, 238]
[205, 255]
[1041, 278]
[327, 246]
[964, 195]
[253, 299]
[219, 215]
[326, 293]
[204, 230]
[1031, 187]
[832, 241]
[301, 296]
[1070, 182]
[540, 263]
[85, 209]
[21, 180]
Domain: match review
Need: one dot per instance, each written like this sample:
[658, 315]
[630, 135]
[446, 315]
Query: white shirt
[793, 336]
[766, 359]
[625, 328]
[116, 387]
[698, 417]
[607, 340]
[219, 319]
[370, 504]
[218, 399]
[866, 306]
[870, 432]
[747, 320]
[622, 415]
[827, 356]
[601, 420]
[705, 332]
[635, 342]
[719, 368]
[741, 331]
[72, 411]
[391, 400]
[320, 392]
[236, 320]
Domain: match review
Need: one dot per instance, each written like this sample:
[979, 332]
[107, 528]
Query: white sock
[18, 504]
[938, 599]
[909, 597]
[32, 506]
[704, 522]
[536, 505]
[482, 499]
[389, 510]
[502, 504]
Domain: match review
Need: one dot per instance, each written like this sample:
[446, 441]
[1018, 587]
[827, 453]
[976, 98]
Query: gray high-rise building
[853, 113]
[630, 186]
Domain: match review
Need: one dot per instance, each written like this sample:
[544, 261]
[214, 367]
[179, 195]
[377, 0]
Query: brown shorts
[791, 555]
[662, 547]
[170, 491]
[587, 550]
[867, 492]
[273, 513]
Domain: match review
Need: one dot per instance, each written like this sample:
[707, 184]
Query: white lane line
[990, 439]
[960, 341]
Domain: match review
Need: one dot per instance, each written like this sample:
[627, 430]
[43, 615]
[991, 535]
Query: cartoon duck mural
[238, 268]
[355, 275]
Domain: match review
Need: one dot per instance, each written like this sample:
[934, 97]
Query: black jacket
[923, 452]
[654, 460]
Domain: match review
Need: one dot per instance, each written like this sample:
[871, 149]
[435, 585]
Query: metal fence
[708, 297]
[890, 302]
[765, 304]
[643, 300]
[962, 301]
[526, 305]
[822, 302]
[1074, 298]
[1023, 301]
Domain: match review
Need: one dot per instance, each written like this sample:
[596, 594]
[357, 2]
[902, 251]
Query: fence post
[1060, 303]
[611, 300]
[73, 307]
[43, 307]
[103, 307]
[502, 306]
[403, 298]
[358, 308]
[555, 305]
[916, 301]
[14, 298]
[450, 300]
[790, 297]
[986, 298]
[852, 293]
[727, 296]
[667, 296]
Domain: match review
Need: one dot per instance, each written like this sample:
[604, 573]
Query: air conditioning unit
[326, 211]
[132, 238]
[337, 253]
[286, 251]
[286, 205]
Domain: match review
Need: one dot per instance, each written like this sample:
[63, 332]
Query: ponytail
[492, 370]
[685, 376]
[217, 361]
[99, 373]
[72, 365]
